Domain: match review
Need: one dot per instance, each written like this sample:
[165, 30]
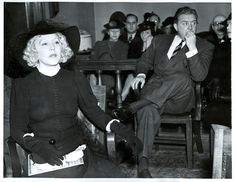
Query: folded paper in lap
[72, 159]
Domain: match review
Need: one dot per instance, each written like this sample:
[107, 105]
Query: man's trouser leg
[148, 122]
[176, 88]
[174, 94]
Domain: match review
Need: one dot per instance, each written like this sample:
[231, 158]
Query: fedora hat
[114, 24]
[17, 45]
[146, 25]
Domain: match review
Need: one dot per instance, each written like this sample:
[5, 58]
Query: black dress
[47, 106]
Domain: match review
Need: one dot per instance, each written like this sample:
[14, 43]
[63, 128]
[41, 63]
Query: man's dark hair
[130, 14]
[185, 11]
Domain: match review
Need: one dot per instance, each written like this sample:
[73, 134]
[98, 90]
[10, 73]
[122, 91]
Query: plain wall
[80, 14]
[206, 12]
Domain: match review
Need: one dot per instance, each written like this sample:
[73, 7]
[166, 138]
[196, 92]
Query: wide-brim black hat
[168, 21]
[18, 43]
[113, 24]
[118, 16]
[146, 25]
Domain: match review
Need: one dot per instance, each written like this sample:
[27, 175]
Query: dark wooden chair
[190, 121]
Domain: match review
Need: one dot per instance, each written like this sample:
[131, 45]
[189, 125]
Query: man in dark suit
[132, 37]
[177, 61]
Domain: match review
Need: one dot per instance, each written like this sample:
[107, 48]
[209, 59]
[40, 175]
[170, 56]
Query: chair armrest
[111, 146]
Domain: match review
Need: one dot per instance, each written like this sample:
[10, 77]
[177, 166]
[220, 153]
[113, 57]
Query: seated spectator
[111, 49]
[132, 37]
[218, 110]
[156, 19]
[216, 35]
[135, 46]
[117, 16]
[146, 30]
[167, 26]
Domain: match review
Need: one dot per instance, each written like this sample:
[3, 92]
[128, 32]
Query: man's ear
[175, 26]
[212, 27]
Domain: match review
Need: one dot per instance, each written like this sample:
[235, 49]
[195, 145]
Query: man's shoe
[145, 173]
[122, 114]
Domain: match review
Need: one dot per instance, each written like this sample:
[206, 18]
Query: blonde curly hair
[30, 52]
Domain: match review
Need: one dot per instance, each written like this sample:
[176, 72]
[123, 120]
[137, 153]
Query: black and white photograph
[117, 89]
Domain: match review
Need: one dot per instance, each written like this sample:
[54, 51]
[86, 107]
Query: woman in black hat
[167, 26]
[110, 49]
[147, 32]
[44, 107]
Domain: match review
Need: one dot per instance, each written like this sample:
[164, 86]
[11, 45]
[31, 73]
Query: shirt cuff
[190, 54]
[28, 134]
[108, 127]
[142, 74]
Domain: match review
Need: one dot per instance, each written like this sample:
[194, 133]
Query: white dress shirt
[176, 42]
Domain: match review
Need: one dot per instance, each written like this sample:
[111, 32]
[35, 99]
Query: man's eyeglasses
[217, 24]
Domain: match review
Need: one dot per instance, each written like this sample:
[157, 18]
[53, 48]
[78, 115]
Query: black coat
[135, 46]
[47, 107]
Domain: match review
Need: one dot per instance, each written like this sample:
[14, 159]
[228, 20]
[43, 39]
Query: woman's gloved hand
[42, 151]
[133, 141]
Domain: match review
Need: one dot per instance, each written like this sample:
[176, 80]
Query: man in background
[217, 33]
[132, 37]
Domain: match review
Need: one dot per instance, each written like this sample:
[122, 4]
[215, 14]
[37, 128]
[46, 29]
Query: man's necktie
[177, 49]
[130, 38]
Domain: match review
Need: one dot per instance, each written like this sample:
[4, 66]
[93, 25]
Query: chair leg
[197, 136]
[189, 143]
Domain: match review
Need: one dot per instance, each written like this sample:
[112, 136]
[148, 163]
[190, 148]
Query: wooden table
[115, 65]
